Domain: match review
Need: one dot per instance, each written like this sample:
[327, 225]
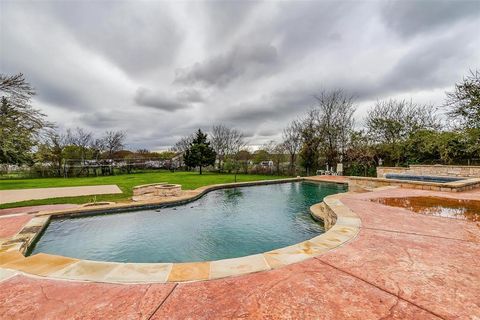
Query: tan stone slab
[189, 271]
[140, 272]
[348, 221]
[11, 248]
[40, 264]
[37, 221]
[86, 270]
[5, 274]
[341, 234]
[8, 257]
[8, 196]
[322, 242]
[237, 266]
[292, 254]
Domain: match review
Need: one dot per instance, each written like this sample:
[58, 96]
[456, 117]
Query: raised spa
[435, 179]
[222, 224]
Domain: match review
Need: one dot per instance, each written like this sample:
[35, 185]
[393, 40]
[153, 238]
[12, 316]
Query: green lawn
[126, 182]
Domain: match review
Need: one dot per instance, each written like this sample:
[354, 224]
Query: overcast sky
[160, 70]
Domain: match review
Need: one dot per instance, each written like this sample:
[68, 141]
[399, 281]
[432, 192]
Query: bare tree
[226, 142]
[113, 141]
[292, 141]
[81, 139]
[335, 122]
[276, 152]
[51, 150]
[98, 147]
[464, 101]
[183, 144]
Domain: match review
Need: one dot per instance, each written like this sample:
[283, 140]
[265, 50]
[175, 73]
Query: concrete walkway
[8, 196]
[402, 265]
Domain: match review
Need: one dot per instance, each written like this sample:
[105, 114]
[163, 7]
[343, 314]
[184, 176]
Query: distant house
[266, 164]
[177, 160]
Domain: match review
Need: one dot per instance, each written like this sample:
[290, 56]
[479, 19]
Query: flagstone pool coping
[341, 223]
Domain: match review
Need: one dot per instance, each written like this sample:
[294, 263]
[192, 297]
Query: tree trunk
[200, 169]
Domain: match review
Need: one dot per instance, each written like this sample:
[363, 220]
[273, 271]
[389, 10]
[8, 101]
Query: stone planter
[146, 188]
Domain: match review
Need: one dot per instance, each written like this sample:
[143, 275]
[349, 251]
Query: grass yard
[126, 182]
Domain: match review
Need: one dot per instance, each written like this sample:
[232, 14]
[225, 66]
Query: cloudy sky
[160, 70]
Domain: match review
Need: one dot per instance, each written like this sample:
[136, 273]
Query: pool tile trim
[341, 223]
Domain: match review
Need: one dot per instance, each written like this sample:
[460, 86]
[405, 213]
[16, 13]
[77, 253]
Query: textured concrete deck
[8, 196]
[336, 179]
[402, 265]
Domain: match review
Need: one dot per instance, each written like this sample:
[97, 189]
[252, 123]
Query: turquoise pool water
[222, 224]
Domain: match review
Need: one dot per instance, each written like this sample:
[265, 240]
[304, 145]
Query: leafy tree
[360, 155]
[52, 150]
[260, 155]
[464, 101]
[199, 153]
[422, 146]
[243, 157]
[21, 125]
[309, 152]
[81, 139]
[472, 143]
[165, 155]
[391, 122]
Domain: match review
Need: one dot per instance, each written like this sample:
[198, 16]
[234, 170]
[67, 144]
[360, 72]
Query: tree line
[393, 133]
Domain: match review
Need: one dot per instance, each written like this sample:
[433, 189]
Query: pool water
[441, 207]
[435, 179]
[222, 224]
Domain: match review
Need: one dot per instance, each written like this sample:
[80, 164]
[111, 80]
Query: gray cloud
[190, 95]
[157, 100]
[161, 70]
[136, 36]
[431, 65]
[409, 18]
[225, 18]
[223, 69]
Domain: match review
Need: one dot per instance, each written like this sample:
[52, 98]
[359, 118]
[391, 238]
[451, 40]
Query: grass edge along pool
[221, 224]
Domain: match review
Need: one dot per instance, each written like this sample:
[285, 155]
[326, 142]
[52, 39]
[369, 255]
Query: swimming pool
[222, 224]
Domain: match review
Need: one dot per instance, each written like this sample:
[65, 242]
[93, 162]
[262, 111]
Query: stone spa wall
[432, 170]
[367, 183]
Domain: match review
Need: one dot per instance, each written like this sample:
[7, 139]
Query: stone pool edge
[341, 223]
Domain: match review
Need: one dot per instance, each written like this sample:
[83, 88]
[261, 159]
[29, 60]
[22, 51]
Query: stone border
[341, 223]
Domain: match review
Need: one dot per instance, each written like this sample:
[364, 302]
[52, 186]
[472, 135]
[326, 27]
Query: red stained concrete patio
[402, 265]
[35, 209]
